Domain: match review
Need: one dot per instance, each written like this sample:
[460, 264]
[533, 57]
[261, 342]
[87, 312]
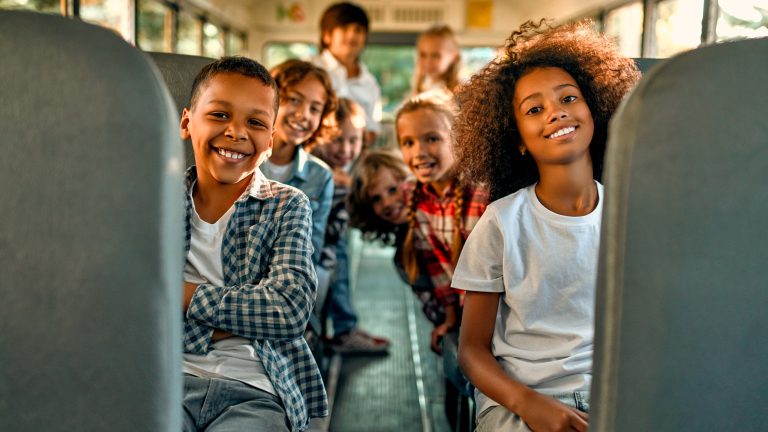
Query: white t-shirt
[235, 357]
[545, 264]
[363, 89]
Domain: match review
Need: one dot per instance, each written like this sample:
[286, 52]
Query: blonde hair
[451, 76]
[410, 261]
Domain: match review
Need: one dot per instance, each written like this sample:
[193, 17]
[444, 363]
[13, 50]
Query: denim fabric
[222, 405]
[340, 309]
[498, 418]
[313, 177]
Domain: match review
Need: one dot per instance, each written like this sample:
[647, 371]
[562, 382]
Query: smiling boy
[249, 282]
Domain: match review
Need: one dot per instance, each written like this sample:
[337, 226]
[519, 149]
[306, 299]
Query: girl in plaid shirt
[444, 207]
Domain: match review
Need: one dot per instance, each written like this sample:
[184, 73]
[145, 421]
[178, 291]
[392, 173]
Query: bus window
[153, 26]
[278, 52]
[188, 36]
[678, 26]
[48, 6]
[112, 14]
[236, 43]
[625, 26]
[740, 19]
[213, 41]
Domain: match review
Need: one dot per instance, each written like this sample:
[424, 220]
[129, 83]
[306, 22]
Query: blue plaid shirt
[269, 294]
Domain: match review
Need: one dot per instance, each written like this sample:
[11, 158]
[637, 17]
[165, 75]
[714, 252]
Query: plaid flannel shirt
[434, 233]
[269, 294]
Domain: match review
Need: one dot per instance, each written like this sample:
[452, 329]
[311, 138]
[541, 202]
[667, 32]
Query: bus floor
[401, 391]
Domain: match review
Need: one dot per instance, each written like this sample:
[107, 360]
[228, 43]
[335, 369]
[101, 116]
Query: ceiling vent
[413, 16]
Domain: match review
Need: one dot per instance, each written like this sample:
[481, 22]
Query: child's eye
[433, 138]
[316, 110]
[375, 199]
[534, 110]
[392, 190]
[406, 143]
[569, 99]
[256, 123]
[219, 115]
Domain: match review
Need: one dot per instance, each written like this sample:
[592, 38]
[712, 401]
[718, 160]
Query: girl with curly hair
[533, 127]
[444, 207]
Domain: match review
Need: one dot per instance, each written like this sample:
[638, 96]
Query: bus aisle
[402, 391]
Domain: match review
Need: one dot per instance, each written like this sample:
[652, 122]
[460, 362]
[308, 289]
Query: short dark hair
[238, 65]
[339, 15]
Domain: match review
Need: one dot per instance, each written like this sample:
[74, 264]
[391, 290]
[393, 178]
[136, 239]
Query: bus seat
[91, 232]
[683, 278]
[645, 63]
[179, 71]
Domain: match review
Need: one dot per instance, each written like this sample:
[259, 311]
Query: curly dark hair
[487, 138]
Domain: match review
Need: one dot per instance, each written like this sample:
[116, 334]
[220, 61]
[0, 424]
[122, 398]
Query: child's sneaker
[357, 341]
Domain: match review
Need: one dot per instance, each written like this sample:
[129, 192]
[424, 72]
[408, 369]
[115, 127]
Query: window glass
[153, 26]
[625, 26]
[112, 14]
[188, 34]
[49, 6]
[278, 52]
[475, 58]
[235, 43]
[678, 26]
[740, 19]
[213, 41]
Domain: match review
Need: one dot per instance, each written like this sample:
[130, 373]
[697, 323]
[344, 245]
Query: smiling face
[553, 118]
[230, 126]
[347, 41]
[301, 110]
[435, 55]
[346, 147]
[425, 141]
[387, 197]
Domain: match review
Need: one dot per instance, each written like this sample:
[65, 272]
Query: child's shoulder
[514, 202]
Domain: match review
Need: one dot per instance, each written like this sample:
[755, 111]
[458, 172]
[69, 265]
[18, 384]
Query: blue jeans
[498, 418]
[223, 405]
[340, 309]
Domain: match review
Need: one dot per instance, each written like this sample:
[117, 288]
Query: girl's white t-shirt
[235, 357]
[545, 264]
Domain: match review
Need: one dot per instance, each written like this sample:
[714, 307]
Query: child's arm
[279, 304]
[539, 412]
[320, 218]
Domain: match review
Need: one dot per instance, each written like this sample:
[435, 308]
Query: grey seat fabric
[91, 232]
[179, 71]
[682, 302]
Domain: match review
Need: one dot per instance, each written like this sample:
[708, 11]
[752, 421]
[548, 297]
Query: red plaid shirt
[434, 233]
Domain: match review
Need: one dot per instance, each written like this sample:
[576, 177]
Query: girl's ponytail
[458, 221]
[410, 263]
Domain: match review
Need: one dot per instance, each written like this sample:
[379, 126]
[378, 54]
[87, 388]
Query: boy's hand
[189, 291]
[544, 414]
[441, 330]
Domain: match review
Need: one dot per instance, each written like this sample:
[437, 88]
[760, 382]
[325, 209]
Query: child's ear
[184, 126]
[522, 149]
[327, 38]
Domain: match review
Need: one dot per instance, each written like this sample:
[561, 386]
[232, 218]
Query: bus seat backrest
[682, 294]
[91, 232]
[645, 64]
[179, 71]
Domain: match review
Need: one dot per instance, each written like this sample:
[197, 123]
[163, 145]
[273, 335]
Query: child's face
[346, 41]
[301, 110]
[425, 141]
[387, 197]
[346, 147]
[555, 123]
[230, 127]
[435, 55]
